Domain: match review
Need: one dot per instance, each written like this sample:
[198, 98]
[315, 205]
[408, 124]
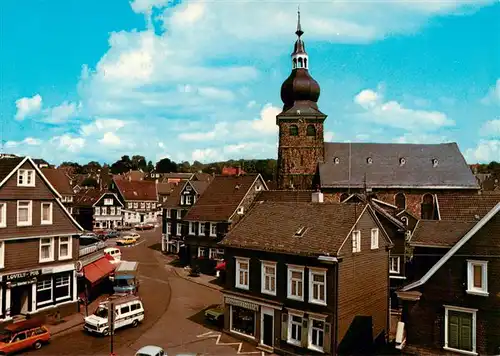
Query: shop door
[142, 218]
[267, 328]
[19, 300]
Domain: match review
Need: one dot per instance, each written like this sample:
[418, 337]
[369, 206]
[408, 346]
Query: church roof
[393, 165]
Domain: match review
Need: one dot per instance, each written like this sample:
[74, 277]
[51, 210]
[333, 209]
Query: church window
[294, 130]
[427, 207]
[294, 63]
[300, 62]
[305, 63]
[311, 130]
[400, 201]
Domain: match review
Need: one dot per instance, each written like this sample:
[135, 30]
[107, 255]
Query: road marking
[218, 336]
[154, 279]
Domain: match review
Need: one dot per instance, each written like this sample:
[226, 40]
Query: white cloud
[102, 124]
[328, 136]
[394, 114]
[485, 152]
[61, 113]
[493, 96]
[28, 106]
[251, 104]
[267, 122]
[68, 142]
[491, 128]
[30, 141]
[421, 138]
[219, 130]
[110, 139]
[204, 155]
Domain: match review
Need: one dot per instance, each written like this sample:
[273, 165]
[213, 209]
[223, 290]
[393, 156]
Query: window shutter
[327, 339]
[466, 332]
[304, 338]
[453, 327]
[284, 326]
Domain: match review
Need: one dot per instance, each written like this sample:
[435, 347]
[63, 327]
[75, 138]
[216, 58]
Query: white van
[115, 253]
[128, 311]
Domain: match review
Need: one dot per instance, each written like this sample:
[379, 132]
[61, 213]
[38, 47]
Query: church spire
[299, 31]
[299, 55]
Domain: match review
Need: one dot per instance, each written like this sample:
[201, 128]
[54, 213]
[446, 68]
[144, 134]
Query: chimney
[317, 197]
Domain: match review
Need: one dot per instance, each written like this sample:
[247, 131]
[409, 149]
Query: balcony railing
[87, 250]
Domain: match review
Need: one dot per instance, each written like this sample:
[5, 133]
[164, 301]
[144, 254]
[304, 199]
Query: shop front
[94, 277]
[242, 317]
[28, 292]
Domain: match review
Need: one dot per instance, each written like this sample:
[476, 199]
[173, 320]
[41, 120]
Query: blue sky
[200, 80]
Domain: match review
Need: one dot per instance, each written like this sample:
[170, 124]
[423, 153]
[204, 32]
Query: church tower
[301, 144]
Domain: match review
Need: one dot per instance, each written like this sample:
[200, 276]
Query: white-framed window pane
[477, 281]
[46, 248]
[64, 246]
[318, 287]
[374, 238]
[296, 278]
[44, 292]
[295, 329]
[3, 214]
[317, 333]
[269, 278]
[242, 270]
[394, 265]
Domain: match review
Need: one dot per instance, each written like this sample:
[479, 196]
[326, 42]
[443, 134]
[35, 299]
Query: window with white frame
[394, 264]
[2, 254]
[108, 201]
[213, 229]
[112, 210]
[294, 329]
[46, 249]
[3, 214]
[201, 228]
[317, 286]
[136, 205]
[104, 210]
[356, 241]
[220, 253]
[167, 213]
[64, 247]
[62, 290]
[169, 228]
[130, 205]
[148, 205]
[242, 272]
[118, 210]
[212, 254]
[201, 251]
[44, 292]
[46, 214]
[268, 278]
[189, 200]
[97, 210]
[26, 178]
[460, 330]
[179, 229]
[316, 334]
[70, 209]
[24, 212]
[295, 283]
[69, 198]
[192, 228]
[477, 277]
[374, 238]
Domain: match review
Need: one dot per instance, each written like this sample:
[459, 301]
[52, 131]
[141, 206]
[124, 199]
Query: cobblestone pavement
[174, 310]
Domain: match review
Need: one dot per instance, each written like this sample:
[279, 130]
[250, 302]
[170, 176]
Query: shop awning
[96, 271]
[128, 276]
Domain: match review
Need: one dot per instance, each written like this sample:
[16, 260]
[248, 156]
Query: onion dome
[300, 86]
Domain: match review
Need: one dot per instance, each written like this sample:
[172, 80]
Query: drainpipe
[336, 326]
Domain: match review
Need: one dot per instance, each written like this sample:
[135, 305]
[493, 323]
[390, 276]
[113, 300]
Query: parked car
[129, 310]
[144, 226]
[115, 253]
[30, 333]
[113, 233]
[215, 314]
[86, 240]
[151, 350]
[133, 234]
[126, 241]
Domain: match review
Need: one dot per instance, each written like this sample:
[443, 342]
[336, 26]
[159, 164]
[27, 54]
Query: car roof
[24, 325]
[150, 349]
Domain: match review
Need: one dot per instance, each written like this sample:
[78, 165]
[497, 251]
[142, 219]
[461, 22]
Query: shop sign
[47, 270]
[16, 277]
[21, 283]
[241, 303]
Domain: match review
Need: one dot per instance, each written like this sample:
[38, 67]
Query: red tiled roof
[272, 226]
[439, 233]
[59, 180]
[137, 190]
[466, 207]
[221, 198]
[87, 197]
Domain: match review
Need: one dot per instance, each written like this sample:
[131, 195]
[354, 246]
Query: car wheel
[105, 332]
[135, 323]
[37, 345]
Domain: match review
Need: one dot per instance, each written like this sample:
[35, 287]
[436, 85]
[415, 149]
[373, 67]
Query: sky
[200, 80]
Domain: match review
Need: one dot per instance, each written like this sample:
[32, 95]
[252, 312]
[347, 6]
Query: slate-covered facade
[450, 303]
[38, 244]
[297, 276]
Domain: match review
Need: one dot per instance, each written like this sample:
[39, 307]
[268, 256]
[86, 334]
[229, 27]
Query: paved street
[174, 314]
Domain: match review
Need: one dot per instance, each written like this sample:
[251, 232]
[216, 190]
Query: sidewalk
[183, 272]
[74, 320]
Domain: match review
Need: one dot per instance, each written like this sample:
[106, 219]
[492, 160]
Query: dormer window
[188, 188]
[369, 160]
[240, 210]
[434, 162]
[402, 161]
[336, 160]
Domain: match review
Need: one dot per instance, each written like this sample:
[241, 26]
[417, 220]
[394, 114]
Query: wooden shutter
[304, 339]
[466, 332]
[453, 330]
[327, 339]
[284, 326]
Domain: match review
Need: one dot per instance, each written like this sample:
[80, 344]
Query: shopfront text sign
[241, 303]
[16, 277]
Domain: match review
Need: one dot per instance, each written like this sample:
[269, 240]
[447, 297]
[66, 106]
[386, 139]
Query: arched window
[427, 207]
[400, 201]
[305, 63]
[294, 63]
[294, 130]
[311, 130]
[343, 197]
[300, 62]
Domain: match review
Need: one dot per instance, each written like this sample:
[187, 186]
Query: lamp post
[111, 326]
